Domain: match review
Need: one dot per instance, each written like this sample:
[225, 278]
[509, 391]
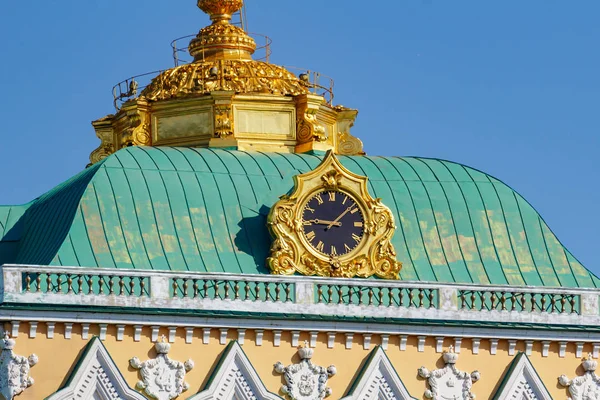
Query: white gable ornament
[448, 382]
[378, 381]
[14, 369]
[583, 387]
[96, 377]
[305, 381]
[522, 382]
[162, 378]
[235, 379]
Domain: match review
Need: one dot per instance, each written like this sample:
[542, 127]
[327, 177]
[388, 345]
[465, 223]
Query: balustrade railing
[297, 294]
[384, 296]
[233, 289]
[480, 300]
[85, 284]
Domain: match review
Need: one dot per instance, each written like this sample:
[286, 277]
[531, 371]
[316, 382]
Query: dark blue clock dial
[333, 224]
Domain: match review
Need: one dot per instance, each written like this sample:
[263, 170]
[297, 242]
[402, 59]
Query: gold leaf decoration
[290, 254]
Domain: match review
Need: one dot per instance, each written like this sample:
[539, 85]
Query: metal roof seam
[439, 237]
[470, 220]
[452, 217]
[491, 233]
[399, 224]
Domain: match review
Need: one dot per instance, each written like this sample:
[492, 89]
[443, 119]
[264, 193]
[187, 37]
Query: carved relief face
[333, 223]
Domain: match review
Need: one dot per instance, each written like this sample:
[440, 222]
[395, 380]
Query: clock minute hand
[340, 217]
[324, 222]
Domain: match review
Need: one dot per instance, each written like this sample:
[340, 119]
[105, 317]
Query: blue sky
[509, 87]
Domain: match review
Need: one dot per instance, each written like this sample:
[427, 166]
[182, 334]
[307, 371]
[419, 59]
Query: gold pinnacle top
[220, 9]
[221, 40]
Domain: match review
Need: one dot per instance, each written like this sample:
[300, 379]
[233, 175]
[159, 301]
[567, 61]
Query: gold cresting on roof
[223, 61]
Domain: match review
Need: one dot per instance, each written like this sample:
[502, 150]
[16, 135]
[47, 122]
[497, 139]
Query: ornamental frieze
[162, 378]
[449, 382]
[304, 380]
[14, 369]
[585, 387]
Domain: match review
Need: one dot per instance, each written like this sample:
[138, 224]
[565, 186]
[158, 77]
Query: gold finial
[221, 40]
[220, 10]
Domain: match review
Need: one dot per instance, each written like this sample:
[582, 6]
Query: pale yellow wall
[58, 356]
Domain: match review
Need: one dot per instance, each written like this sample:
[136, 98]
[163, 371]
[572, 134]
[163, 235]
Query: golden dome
[223, 61]
[240, 76]
[221, 39]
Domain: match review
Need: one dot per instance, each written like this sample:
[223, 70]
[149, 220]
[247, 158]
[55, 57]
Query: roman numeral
[348, 249]
[333, 251]
[331, 196]
[310, 209]
[319, 199]
[354, 211]
[358, 224]
[310, 235]
[356, 238]
[345, 200]
[320, 246]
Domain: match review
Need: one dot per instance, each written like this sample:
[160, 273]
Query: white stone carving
[448, 299]
[162, 378]
[586, 387]
[96, 377]
[522, 382]
[305, 381]
[235, 379]
[590, 304]
[448, 382]
[14, 369]
[378, 380]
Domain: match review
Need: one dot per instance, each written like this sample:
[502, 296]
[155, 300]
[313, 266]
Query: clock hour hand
[335, 221]
[323, 222]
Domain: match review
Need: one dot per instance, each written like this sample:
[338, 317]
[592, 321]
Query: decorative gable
[96, 377]
[522, 382]
[234, 378]
[378, 380]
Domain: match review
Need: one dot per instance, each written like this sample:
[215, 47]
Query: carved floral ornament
[586, 387]
[305, 381]
[162, 378]
[14, 369]
[295, 247]
[449, 382]
[224, 75]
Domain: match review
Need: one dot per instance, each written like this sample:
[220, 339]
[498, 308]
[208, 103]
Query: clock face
[333, 224]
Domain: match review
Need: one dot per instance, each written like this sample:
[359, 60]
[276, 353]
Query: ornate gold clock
[331, 226]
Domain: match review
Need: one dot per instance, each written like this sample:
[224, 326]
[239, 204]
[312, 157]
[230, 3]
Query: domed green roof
[204, 210]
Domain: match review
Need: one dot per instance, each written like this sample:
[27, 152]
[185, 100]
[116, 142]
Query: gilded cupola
[221, 39]
[227, 97]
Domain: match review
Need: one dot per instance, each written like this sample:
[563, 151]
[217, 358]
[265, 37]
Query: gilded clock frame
[290, 252]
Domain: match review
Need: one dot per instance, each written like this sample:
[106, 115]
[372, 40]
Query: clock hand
[340, 217]
[324, 222]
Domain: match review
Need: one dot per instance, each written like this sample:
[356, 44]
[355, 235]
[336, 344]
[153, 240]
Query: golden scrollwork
[346, 143]
[223, 75]
[136, 130]
[289, 252]
[223, 121]
[331, 180]
[308, 127]
[101, 153]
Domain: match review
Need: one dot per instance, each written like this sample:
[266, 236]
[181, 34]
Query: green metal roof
[205, 210]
